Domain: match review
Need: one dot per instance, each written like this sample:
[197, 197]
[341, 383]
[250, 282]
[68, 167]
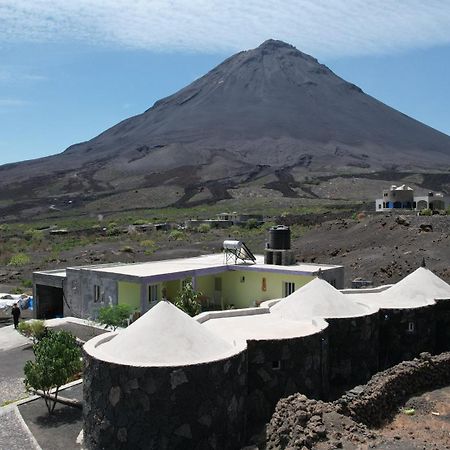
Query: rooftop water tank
[280, 238]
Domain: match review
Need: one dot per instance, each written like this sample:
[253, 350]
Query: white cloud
[12, 102]
[14, 75]
[320, 27]
[8, 105]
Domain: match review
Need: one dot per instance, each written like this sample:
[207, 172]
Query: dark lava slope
[266, 109]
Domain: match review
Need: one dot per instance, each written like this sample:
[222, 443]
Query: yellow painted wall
[234, 292]
[172, 288]
[205, 285]
[248, 293]
[129, 294]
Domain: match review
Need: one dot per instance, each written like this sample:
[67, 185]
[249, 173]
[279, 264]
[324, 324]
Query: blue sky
[69, 70]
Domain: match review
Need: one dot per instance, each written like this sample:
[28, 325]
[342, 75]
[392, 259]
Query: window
[242, 279]
[276, 365]
[289, 288]
[411, 327]
[218, 284]
[152, 293]
[96, 293]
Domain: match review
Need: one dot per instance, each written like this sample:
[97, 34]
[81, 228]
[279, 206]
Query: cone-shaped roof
[419, 288]
[319, 299]
[165, 336]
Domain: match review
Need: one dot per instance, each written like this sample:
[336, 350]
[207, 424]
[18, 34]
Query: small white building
[402, 197]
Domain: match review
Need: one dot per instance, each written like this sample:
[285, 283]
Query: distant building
[402, 197]
[225, 220]
[239, 218]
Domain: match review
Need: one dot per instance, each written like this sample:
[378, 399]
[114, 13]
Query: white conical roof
[165, 336]
[419, 288]
[319, 299]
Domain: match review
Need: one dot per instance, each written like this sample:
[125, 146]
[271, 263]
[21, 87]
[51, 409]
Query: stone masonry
[278, 368]
[353, 352]
[405, 333]
[197, 406]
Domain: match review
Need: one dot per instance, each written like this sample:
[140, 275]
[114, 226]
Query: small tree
[188, 300]
[114, 316]
[204, 228]
[57, 360]
[33, 329]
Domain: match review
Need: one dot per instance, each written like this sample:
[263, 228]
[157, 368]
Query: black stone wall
[193, 407]
[278, 368]
[397, 342]
[442, 314]
[354, 346]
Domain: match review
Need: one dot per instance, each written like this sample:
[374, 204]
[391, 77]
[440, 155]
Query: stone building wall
[353, 350]
[300, 423]
[405, 333]
[278, 368]
[80, 293]
[200, 406]
[442, 314]
[381, 397]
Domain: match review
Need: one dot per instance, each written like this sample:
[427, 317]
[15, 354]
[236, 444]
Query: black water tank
[280, 238]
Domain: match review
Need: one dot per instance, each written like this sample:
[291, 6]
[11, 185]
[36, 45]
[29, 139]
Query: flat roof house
[224, 283]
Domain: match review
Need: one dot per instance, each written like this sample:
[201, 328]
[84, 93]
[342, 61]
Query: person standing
[15, 312]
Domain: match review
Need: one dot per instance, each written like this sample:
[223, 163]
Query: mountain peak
[275, 44]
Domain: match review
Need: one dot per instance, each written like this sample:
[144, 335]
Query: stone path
[10, 338]
[14, 434]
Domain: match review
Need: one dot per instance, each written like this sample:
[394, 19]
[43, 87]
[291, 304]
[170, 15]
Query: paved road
[11, 373]
[61, 429]
[13, 434]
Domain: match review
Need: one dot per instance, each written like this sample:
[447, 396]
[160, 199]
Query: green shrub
[176, 235]
[113, 231]
[57, 360]
[16, 290]
[26, 283]
[114, 316]
[127, 249]
[204, 228]
[251, 224]
[19, 259]
[139, 222]
[33, 329]
[33, 235]
[188, 300]
[426, 212]
[149, 245]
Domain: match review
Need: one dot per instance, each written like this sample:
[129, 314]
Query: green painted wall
[129, 294]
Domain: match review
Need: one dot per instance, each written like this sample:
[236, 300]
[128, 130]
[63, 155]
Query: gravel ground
[13, 434]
